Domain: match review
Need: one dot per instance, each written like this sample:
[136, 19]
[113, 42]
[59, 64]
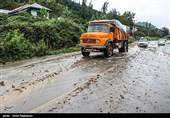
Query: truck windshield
[143, 40]
[98, 28]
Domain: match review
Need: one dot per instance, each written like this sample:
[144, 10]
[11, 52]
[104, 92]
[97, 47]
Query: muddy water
[134, 82]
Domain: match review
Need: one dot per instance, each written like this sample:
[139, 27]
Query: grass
[152, 38]
[50, 52]
[64, 50]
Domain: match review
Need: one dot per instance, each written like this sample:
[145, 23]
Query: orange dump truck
[104, 36]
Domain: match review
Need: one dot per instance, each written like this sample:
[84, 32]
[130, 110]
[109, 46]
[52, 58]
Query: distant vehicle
[161, 42]
[143, 42]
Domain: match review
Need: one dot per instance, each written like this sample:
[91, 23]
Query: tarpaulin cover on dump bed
[124, 28]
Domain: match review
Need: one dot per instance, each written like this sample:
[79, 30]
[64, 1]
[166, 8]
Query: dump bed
[114, 22]
[121, 31]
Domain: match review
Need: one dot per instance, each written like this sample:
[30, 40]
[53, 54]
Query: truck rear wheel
[124, 47]
[121, 50]
[108, 52]
[85, 54]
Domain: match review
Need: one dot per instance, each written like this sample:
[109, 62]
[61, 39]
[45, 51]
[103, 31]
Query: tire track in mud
[60, 101]
[99, 77]
[27, 87]
[14, 74]
[31, 62]
[18, 91]
[136, 89]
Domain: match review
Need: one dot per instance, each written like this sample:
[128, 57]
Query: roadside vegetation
[131, 39]
[22, 36]
[151, 32]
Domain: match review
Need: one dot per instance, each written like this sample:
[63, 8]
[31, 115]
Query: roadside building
[34, 9]
[3, 11]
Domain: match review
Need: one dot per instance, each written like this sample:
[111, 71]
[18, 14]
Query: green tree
[128, 19]
[15, 46]
[113, 14]
[90, 9]
[165, 31]
[43, 12]
[83, 9]
[105, 7]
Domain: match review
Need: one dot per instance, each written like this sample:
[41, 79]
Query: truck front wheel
[108, 52]
[85, 54]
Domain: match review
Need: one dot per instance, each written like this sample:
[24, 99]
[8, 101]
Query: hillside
[145, 24]
[148, 29]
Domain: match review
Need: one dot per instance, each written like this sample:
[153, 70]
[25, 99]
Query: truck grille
[89, 41]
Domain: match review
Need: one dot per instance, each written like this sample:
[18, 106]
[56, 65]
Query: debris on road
[2, 83]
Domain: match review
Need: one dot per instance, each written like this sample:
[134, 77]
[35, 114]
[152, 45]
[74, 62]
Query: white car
[143, 42]
[161, 42]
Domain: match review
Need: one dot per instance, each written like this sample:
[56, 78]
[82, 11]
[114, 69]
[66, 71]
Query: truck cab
[103, 36]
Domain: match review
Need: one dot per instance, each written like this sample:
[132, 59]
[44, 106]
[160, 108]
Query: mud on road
[135, 82]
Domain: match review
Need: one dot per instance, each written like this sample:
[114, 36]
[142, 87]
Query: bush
[139, 34]
[152, 38]
[167, 37]
[41, 49]
[15, 46]
[22, 36]
[56, 33]
[131, 39]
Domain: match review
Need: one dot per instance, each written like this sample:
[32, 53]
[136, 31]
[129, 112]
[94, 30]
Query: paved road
[138, 81]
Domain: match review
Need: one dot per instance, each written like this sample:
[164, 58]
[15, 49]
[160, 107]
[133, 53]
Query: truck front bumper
[93, 48]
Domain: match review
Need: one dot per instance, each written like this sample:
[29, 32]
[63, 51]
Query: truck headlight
[97, 41]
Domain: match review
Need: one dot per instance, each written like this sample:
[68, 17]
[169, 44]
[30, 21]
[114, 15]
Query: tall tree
[148, 27]
[105, 7]
[128, 19]
[91, 5]
[165, 31]
[90, 9]
[113, 14]
[83, 8]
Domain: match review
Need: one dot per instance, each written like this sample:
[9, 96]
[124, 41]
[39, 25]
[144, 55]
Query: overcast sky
[155, 11]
